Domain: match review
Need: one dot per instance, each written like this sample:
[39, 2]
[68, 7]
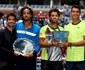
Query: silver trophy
[60, 36]
[23, 46]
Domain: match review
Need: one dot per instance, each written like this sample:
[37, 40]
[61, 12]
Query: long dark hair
[26, 7]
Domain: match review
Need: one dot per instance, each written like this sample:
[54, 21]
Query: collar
[76, 23]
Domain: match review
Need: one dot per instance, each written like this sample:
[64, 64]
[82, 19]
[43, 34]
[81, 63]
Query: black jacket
[6, 49]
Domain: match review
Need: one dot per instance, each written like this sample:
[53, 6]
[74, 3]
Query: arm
[76, 44]
[3, 48]
[37, 46]
[44, 44]
[80, 43]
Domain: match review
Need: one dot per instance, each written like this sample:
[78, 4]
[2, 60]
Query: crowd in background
[42, 19]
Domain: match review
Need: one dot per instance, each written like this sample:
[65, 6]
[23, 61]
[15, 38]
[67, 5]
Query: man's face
[26, 15]
[54, 17]
[11, 21]
[75, 13]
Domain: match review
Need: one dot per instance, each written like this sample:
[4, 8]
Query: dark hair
[54, 10]
[76, 6]
[11, 14]
[26, 7]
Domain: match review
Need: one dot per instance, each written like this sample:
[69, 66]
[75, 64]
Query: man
[7, 37]
[29, 30]
[51, 55]
[75, 56]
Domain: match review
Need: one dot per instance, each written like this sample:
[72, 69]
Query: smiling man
[75, 56]
[7, 37]
[51, 55]
[29, 30]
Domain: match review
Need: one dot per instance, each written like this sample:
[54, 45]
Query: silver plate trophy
[60, 36]
[23, 46]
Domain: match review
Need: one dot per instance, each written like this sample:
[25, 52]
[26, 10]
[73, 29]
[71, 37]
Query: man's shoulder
[18, 23]
[43, 29]
[2, 31]
[82, 21]
[45, 26]
[61, 28]
[68, 25]
[36, 26]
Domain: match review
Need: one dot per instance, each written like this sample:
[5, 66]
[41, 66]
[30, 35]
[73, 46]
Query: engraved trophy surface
[23, 46]
[60, 36]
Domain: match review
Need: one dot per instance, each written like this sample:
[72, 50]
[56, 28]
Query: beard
[53, 21]
[74, 18]
[26, 19]
[11, 26]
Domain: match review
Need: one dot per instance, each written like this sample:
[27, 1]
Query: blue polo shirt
[30, 33]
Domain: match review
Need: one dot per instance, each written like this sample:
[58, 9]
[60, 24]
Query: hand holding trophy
[23, 46]
[60, 36]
